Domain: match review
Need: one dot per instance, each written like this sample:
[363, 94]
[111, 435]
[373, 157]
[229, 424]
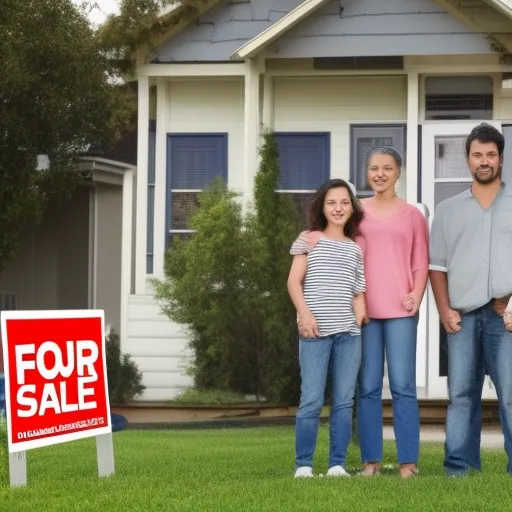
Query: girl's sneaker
[337, 471]
[304, 472]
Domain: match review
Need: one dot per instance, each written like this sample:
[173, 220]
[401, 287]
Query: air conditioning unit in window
[506, 84]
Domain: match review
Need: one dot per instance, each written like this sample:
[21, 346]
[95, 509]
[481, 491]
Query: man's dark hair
[317, 220]
[486, 133]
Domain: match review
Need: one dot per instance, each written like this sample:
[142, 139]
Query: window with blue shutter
[193, 162]
[305, 164]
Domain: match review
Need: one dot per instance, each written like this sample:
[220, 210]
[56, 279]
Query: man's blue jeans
[482, 344]
[341, 354]
[397, 337]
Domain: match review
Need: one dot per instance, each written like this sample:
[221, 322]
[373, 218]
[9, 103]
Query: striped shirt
[334, 274]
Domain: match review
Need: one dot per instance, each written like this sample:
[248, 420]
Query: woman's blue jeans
[396, 337]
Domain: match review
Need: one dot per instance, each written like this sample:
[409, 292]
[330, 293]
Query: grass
[239, 470]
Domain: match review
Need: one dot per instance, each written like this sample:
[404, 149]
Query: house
[332, 78]
[72, 258]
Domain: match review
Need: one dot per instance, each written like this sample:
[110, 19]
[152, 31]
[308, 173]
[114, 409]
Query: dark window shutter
[304, 160]
[196, 160]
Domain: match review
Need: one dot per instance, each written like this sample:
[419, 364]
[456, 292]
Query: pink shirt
[395, 251]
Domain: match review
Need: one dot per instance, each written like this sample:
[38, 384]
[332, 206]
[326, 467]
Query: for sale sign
[55, 377]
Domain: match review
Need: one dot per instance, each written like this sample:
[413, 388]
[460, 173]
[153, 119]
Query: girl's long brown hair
[316, 217]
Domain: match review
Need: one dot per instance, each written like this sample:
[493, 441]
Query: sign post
[55, 384]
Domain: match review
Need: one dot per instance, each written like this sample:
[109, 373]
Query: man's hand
[507, 319]
[499, 305]
[451, 320]
[307, 325]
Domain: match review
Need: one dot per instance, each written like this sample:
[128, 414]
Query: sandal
[408, 470]
[370, 469]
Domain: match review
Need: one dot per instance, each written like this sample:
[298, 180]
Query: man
[471, 277]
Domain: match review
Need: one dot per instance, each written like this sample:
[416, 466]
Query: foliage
[56, 99]
[227, 284]
[276, 225]
[193, 396]
[123, 377]
[205, 277]
[140, 23]
[4, 453]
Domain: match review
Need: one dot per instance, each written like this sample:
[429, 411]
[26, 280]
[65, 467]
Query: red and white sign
[55, 377]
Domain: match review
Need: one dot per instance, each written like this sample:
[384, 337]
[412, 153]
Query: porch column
[142, 184]
[126, 251]
[268, 101]
[159, 224]
[251, 125]
[411, 178]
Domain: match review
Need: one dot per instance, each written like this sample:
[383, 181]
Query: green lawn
[240, 470]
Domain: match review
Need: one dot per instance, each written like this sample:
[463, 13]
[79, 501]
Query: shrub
[227, 285]
[123, 377]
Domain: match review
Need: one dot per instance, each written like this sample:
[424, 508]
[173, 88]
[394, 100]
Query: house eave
[275, 31]
[501, 6]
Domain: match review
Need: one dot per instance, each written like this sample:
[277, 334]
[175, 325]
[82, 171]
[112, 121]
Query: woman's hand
[411, 303]
[307, 325]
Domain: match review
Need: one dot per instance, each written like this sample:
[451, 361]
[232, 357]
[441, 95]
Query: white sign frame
[103, 434]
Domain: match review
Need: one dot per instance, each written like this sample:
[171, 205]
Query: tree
[141, 23]
[57, 98]
[276, 225]
[207, 289]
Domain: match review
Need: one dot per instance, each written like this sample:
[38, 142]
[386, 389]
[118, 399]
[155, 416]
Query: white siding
[212, 106]
[158, 346]
[503, 103]
[331, 104]
[108, 278]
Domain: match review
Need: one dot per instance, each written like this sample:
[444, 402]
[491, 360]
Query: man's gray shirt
[474, 247]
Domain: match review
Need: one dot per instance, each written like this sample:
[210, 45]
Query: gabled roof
[280, 27]
[304, 10]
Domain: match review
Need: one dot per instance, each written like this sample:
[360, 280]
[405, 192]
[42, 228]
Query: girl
[395, 241]
[326, 284]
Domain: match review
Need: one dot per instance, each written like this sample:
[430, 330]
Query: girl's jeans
[341, 354]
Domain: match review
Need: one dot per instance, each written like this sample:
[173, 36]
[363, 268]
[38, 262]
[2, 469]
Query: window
[365, 137]
[304, 160]
[193, 162]
[458, 97]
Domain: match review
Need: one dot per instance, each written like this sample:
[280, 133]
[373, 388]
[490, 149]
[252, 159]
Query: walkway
[492, 437]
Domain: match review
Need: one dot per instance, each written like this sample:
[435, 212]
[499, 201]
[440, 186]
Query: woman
[395, 248]
[326, 284]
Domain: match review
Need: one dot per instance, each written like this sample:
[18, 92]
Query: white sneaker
[304, 472]
[337, 471]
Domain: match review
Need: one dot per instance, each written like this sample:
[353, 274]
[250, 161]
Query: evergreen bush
[123, 377]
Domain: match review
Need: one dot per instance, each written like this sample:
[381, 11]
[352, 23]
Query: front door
[444, 174]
